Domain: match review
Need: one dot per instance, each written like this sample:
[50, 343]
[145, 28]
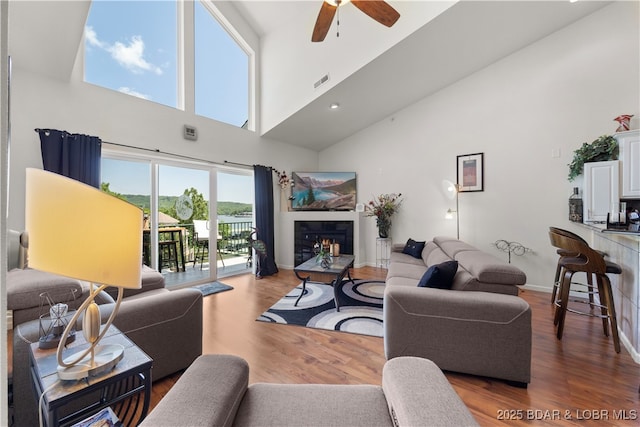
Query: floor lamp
[452, 190]
[78, 231]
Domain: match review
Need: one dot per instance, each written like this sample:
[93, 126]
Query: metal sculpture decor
[511, 248]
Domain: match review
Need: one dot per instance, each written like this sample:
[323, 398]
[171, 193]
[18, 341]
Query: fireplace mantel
[285, 246]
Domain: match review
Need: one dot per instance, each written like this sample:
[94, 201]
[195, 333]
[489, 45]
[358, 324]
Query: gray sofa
[214, 391]
[479, 326]
[167, 325]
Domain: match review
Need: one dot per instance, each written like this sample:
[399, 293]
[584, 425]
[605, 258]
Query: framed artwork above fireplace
[323, 191]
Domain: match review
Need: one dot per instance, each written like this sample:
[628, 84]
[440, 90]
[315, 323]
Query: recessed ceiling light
[334, 106]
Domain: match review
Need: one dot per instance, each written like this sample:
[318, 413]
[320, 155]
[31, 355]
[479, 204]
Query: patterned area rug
[360, 308]
[213, 288]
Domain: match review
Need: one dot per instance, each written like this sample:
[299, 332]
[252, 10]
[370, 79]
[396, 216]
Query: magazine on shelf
[104, 418]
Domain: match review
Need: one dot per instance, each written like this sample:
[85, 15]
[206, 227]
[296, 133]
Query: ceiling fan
[378, 10]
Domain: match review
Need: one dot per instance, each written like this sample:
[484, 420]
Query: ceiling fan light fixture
[337, 2]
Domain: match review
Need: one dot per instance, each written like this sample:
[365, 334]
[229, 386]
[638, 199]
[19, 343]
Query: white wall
[287, 79]
[552, 95]
[43, 102]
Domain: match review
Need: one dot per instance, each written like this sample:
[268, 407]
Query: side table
[126, 388]
[383, 251]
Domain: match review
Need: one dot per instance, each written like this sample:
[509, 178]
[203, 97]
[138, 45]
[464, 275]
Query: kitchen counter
[623, 248]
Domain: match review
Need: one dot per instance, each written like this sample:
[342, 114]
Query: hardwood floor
[577, 381]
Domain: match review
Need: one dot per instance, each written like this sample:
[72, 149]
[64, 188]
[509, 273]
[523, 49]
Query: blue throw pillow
[413, 248]
[439, 276]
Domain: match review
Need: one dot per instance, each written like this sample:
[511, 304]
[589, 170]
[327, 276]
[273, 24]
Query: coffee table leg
[304, 287]
[336, 284]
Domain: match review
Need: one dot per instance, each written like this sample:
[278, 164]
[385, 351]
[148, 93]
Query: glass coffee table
[335, 272]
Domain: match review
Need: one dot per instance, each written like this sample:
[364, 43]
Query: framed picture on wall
[471, 172]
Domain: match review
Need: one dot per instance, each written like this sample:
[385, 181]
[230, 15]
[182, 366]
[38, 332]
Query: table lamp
[78, 231]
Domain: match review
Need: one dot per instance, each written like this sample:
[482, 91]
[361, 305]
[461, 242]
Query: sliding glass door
[197, 216]
[235, 221]
[174, 197]
[184, 228]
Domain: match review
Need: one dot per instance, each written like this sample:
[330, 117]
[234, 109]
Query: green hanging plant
[602, 149]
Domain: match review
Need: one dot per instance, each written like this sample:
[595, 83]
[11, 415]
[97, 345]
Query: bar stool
[564, 253]
[593, 264]
[168, 254]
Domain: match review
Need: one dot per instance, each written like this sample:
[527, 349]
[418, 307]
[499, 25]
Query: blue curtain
[73, 155]
[263, 183]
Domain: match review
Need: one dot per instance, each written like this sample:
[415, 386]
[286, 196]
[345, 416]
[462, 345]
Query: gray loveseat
[166, 324]
[214, 391]
[480, 326]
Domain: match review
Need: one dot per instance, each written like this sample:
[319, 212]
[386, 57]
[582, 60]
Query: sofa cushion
[309, 405]
[452, 246]
[489, 269]
[25, 286]
[400, 258]
[435, 256]
[439, 276]
[413, 248]
[411, 271]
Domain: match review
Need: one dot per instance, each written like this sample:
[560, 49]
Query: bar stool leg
[611, 308]
[604, 308]
[556, 283]
[561, 311]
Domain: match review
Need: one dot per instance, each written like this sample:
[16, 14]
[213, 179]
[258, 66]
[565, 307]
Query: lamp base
[106, 357]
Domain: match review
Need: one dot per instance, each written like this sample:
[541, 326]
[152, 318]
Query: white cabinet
[601, 190]
[629, 143]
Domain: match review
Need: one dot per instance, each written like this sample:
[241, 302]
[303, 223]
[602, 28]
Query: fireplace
[306, 233]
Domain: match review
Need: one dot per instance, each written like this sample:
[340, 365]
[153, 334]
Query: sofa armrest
[207, 394]
[478, 333]
[167, 325]
[397, 247]
[418, 394]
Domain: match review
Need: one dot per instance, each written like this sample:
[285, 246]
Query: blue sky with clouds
[131, 47]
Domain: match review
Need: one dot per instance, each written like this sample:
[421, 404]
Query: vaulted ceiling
[465, 38]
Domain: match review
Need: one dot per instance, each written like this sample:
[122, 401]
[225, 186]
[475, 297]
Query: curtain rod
[157, 151]
[250, 166]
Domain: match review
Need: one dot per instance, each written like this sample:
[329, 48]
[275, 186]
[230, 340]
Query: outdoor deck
[233, 265]
[233, 249]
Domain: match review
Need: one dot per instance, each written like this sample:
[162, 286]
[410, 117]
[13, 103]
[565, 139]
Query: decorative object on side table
[54, 318]
[602, 149]
[383, 207]
[623, 122]
[78, 231]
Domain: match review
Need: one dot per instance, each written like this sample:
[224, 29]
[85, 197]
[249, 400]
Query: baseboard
[623, 338]
[537, 288]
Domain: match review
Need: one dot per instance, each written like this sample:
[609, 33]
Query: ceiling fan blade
[323, 23]
[378, 10]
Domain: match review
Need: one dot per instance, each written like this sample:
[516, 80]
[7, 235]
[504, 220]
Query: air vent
[322, 81]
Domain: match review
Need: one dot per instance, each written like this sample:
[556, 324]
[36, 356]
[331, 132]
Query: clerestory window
[221, 71]
[133, 47]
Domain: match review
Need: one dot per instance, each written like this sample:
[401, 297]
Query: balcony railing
[231, 237]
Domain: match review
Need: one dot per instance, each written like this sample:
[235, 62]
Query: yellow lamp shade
[78, 231]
